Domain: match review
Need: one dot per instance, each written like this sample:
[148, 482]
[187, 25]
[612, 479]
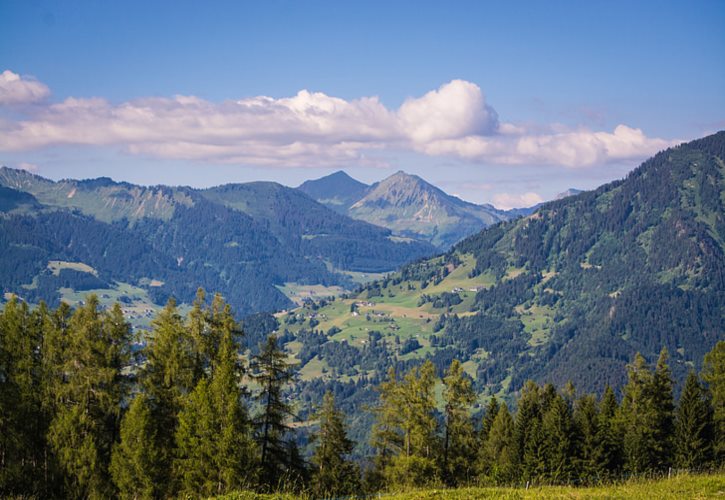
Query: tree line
[86, 412]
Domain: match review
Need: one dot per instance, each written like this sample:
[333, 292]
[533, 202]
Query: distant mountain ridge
[337, 191]
[407, 205]
[243, 240]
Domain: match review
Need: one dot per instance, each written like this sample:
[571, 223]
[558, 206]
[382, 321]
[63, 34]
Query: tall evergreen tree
[136, 461]
[527, 433]
[500, 449]
[334, 474]
[89, 401]
[693, 430]
[387, 435]
[167, 378]
[23, 421]
[636, 418]
[272, 372]
[459, 443]
[713, 373]
[213, 425]
[609, 440]
[587, 422]
[488, 417]
[559, 441]
[663, 407]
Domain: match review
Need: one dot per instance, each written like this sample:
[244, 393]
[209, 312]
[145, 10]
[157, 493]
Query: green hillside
[571, 292]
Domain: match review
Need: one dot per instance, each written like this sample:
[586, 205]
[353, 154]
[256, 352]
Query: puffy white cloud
[507, 201]
[308, 129]
[15, 89]
[456, 110]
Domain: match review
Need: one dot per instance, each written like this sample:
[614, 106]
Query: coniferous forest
[88, 411]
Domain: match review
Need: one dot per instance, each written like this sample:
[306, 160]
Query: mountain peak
[337, 190]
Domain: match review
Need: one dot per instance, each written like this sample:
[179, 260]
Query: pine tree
[135, 461]
[387, 435]
[195, 435]
[459, 448]
[663, 412]
[636, 417]
[559, 441]
[167, 379]
[527, 433]
[500, 448]
[215, 447]
[23, 421]
[693, 430]
[488, 418]
[272, 372]
[334, 474]
[609, 439]
[416, 464]
[89, 401]
[587, 422]
[713, 373]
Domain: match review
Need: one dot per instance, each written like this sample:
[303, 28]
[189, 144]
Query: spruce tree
[636, 418]
[559, 441]
[527, 433]
[488, 417]
[609, 438]
[587, 423]
[86, 421]
[167, 378]
[23, 421]
[663, 413]
[272, 372]
[215, 447]
[713, 373]
[135, 461]
[459, 443]
[500, 449]
[386, 437]
[334, 474]
[693, 426]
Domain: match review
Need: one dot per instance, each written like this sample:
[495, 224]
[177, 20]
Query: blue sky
[503, 102]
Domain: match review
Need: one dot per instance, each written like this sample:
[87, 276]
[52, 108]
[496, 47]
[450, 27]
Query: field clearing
[138, 309]
[298, 293]
[56, 266]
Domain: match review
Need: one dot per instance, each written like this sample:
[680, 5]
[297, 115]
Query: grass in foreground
[678, 487]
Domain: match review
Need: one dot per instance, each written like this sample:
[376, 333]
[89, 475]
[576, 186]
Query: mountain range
[244, 240]
[407, 205]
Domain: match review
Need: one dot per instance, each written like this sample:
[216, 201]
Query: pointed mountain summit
[337, 191]
[412, 207]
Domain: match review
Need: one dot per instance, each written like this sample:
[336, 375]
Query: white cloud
[15, 89]
[456, 110]
[506, 201]
[309, 129]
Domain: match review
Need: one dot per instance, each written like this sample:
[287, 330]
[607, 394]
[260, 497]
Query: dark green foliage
[277, 458]
[713, 373]
[693, 436]
[136, 464]
[334, 474]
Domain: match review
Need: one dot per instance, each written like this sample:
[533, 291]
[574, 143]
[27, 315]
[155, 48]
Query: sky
[507, 103]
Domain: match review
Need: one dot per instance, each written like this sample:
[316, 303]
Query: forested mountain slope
[63, 238]
[570, 292]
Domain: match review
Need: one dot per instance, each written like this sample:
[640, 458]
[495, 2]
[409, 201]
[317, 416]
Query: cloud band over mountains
[308, 129]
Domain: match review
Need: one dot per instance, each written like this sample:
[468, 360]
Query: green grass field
[684, 486]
